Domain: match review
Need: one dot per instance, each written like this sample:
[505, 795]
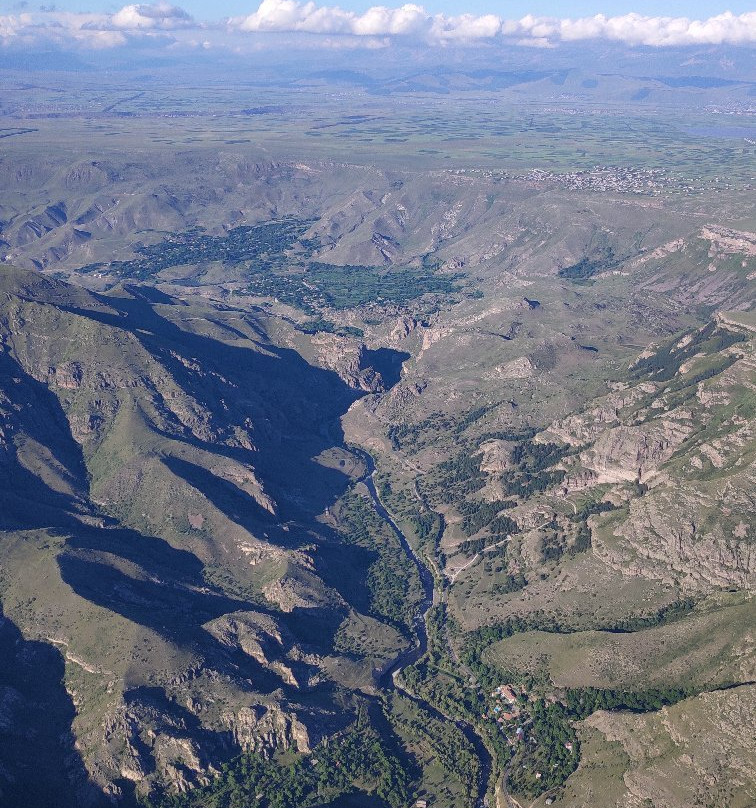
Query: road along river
[391, 677]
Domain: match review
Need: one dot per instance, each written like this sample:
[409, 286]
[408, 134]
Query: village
[506, 711]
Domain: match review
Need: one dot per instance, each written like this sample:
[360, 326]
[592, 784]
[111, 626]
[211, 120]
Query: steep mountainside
[683, 434]
[163, 467]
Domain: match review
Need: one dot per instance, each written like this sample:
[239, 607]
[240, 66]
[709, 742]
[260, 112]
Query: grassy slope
[697, 753]
[700, 650]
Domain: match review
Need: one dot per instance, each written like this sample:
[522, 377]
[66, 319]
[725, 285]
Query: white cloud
[290, 15]
[159, 16]
[91, 30]
[414, 20]
[637, 29]
[379, 25]
[409, 20]
[12, 24]
[466, 27]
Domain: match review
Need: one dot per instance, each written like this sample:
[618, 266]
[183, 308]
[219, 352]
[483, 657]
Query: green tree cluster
[356, 761]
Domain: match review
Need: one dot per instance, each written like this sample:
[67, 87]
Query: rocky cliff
[682, 434]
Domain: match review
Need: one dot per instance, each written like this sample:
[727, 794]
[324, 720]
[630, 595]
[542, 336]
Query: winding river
[390, 678]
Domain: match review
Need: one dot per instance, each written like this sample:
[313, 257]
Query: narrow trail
[391, 677]
[469, 564]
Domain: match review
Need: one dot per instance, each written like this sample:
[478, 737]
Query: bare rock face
[520, 368]
[398, 401]
[265, 640]
[405, 325]
[496, 456]
[67, 376]
[257, 635]
[147, 739]
[633, 453]
[131, 759]
[348, 358]
[290, 593]
[86, 176]
[725, 241]
[263, 729]
[683, 448]
[676, 533]
[586, 426]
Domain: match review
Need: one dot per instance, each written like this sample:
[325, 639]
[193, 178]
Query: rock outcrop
[686, 442]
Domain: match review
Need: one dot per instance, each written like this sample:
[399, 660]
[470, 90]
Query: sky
[235, 24]
[216, 9]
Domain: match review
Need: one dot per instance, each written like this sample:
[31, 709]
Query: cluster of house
[505, 708]
[620, 179]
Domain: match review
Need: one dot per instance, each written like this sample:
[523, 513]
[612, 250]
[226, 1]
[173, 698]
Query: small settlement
[505, 711]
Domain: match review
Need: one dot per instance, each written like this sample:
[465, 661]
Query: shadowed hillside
[41, 764]
[168, 483]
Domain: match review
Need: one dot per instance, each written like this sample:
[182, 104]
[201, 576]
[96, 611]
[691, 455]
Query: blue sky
[215, 9]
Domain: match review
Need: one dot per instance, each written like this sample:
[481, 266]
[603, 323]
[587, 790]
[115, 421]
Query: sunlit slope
[164, 467]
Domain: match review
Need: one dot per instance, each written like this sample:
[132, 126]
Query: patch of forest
[264, 244]
[275, 259]
[357, 761]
